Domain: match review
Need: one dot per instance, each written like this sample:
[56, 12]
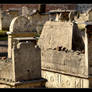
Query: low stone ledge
[24, 84]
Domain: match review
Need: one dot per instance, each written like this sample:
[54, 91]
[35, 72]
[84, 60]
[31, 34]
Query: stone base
[24, 84]
[58, 80]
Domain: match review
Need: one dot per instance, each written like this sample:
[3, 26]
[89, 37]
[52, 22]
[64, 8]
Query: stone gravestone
[18, 25]
[52, 35]
[25, 11]
[59, 61]
[22, 51]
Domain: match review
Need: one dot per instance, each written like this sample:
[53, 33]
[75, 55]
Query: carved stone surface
[27, 61]
[56, 34]
[6, 70]
[6, 17]
[72, 63]
[57, 80]
[20, 24]
[25, 11]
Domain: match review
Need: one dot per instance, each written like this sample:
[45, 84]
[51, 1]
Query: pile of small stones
[60, 48]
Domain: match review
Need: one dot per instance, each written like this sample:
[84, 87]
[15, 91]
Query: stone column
[9, 45]
[0, 19]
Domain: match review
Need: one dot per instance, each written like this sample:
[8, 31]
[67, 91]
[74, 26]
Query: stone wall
[53, 33]
[66, 62]
[22, 68]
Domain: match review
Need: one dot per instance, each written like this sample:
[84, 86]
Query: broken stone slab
[19, 27]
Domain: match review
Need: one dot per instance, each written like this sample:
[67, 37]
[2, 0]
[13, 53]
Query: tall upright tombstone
[25, 68]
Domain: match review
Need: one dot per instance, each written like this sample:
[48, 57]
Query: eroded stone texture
[20, 24]
[56, 42]
[58, 80]
[26, 59]
[22, 51]
[6, 18]
[56, 34]
[72, 63]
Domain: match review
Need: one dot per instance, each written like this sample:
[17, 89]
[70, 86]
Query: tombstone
[63, 66]
[25, 11]
[6, 18]
[22, 69]
[57, 31]
[18, 25]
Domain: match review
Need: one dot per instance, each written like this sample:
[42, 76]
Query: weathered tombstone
[52, 34]
[19, 26]
[63, 66]
[25, 11]
[23, 69]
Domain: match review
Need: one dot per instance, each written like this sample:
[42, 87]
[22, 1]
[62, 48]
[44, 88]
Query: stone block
[56, 34]
[71, 63]
[59, 80]
[25, 54]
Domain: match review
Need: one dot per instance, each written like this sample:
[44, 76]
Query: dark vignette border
[45, 1]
